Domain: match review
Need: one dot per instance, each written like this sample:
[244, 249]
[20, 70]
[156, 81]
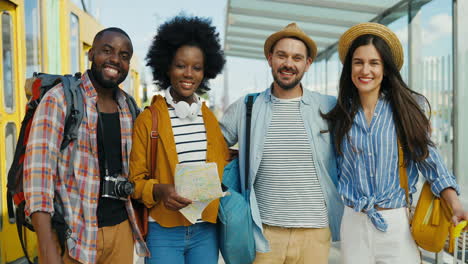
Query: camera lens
[124, 189]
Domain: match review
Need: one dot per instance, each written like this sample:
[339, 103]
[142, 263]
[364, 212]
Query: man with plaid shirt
[103, 229]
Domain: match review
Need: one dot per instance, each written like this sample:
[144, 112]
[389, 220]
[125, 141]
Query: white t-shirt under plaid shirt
[286, 186]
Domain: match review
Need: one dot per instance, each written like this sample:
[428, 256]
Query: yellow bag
[431, 221]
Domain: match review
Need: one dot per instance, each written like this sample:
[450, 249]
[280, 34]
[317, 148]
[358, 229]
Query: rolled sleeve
[435, 171]
[40, 202]
[443, 183]
[147, 193]
[230, 122]
[42, 154]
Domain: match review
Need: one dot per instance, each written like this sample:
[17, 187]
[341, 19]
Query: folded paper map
[199, 183]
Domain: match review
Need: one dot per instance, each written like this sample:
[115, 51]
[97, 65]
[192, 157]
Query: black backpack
[39, 85]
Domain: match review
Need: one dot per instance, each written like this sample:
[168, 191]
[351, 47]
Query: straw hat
[373, 29]
[291, 30]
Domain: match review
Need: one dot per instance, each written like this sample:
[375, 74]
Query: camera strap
[101, 124]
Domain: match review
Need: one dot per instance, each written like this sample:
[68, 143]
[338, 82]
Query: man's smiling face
[289, 61]
[110, 57]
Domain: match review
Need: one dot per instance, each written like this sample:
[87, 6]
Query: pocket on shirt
[325, 137]
[324, 148]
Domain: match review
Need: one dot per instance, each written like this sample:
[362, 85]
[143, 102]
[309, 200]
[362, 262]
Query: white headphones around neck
[182, 108]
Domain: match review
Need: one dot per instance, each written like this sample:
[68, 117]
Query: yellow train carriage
[51, 36]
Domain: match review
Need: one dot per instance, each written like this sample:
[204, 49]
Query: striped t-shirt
[190, 140]
[189, 137]
[287, 189]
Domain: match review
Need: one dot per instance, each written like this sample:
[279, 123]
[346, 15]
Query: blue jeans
[195, 244]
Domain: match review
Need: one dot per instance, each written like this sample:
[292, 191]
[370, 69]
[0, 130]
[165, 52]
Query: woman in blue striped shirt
[374, 109]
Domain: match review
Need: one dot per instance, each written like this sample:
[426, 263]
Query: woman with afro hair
[184, 55]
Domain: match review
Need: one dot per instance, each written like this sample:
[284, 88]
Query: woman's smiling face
[186, 72]
[367, 69]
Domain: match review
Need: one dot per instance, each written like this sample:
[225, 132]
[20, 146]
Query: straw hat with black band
[373, 29]
[291, 30]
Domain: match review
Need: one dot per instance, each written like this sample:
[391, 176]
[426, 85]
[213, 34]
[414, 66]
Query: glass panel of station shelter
[461, 99]
[431, 67]
[74, 44]
[318, 76]
[324, 74]
[32, 17]
[397, 21]
[315, 79]
[334, 68]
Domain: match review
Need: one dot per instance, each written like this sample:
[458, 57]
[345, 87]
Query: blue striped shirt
[368, 169]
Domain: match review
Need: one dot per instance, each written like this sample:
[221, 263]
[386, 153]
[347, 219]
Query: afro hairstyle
[177, 32]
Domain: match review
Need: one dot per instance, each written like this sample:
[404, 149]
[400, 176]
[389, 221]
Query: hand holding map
[199, 183]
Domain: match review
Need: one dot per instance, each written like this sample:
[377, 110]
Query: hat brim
[373, 29]
[272, 39]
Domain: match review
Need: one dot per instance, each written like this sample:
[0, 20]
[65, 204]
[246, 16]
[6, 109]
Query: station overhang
[250, 22]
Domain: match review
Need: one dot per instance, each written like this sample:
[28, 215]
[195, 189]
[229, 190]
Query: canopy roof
[250, 22]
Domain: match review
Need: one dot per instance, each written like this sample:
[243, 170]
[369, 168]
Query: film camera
[117, 187]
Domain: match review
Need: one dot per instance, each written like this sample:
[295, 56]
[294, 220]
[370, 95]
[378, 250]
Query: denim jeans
[195, 244]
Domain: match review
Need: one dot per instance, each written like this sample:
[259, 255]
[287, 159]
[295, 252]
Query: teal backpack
[235, 224]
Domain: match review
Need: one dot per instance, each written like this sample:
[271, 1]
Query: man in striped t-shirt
[294, 199]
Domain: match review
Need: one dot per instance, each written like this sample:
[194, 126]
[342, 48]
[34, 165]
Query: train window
[10, 143]
[86, 63]
[32, 17]
[8, 70]
[74, 44]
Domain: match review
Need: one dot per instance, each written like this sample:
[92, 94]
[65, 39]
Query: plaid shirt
[73, 172]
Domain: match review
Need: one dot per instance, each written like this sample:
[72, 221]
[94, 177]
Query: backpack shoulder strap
[249, 101]
[75, 109]
[132, 106]
[253, 96]
[21, 234]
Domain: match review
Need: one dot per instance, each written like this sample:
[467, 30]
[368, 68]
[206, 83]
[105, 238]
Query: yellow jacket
[167, 159]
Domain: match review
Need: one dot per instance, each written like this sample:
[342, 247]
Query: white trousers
[362, 243]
